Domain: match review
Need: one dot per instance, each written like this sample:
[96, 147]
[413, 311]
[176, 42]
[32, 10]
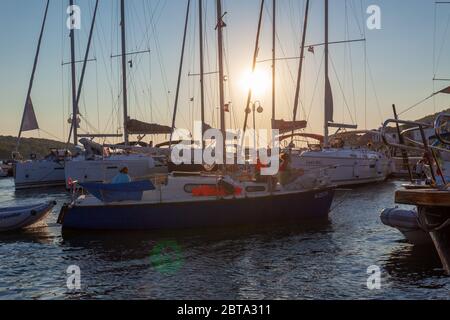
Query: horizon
[400, 67]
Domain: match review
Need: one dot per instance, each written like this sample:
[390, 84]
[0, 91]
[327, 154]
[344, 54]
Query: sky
[395, 64]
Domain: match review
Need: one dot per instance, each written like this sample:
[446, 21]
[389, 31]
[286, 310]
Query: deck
[423, 197]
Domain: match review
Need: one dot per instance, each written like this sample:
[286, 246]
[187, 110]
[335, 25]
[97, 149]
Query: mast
[220, 25]
[74, 83]
[36, 59]
[86, 57]
[325, 141]
[274, 32]
[124, 73]
[300, 69]
[202, 69]
[180, 71]
[255, 57]
[88, 48]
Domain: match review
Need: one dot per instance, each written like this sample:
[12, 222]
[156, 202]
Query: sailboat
[345, 165]
[196, 202]
[97, 163]
[34, 173]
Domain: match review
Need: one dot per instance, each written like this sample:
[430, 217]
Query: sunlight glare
[259, 82]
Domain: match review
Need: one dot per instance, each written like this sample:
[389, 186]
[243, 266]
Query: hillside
[28, 146]
[431, 118]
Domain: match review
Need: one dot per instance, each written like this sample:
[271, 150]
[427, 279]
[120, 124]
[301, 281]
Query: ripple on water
[320, 261]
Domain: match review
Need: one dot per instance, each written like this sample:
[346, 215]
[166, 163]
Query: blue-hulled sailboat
[201, 201]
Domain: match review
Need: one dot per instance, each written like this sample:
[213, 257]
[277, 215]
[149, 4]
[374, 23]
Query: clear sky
[402, 58]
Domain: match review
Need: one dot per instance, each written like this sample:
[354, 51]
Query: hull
[290, 207]
[23, 217]
[97, 171]
[346, 167]
[38, 174]
[406, 221]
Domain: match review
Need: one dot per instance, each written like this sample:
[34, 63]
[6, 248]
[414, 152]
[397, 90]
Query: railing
[424, 146]
[439, 124]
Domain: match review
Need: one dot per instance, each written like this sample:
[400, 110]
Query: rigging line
[434, 40]
[50, 134]
[229, 80]
[434, 55]
[415, 105]
[175, 108]
[315, 87]
[443, 42]
[352, 75]
[101, 40]
[297, 93]
[359, 23]
[211, 92]
[375, 91]
[161, 67]
[365, 70]
[342, 91]
[345, 50]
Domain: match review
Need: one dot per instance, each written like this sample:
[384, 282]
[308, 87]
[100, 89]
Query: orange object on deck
[209, 191]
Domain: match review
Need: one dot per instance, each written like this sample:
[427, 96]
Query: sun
[258, 81]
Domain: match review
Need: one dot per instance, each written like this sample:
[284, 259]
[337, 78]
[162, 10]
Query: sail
[288, 126]
[445, 91]
[139, 127]
[329, 104]
[29, 121]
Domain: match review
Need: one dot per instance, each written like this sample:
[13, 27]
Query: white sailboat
[96, 165]
[37, 173]
[345, 166]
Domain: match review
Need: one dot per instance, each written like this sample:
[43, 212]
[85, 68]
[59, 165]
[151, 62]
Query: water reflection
[408, 263]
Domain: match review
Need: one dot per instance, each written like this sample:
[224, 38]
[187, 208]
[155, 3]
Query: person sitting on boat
[259, 166]
[122, 177]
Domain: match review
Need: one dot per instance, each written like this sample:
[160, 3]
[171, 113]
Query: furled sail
[288, 126]
[329, 104]
[139, 127]
[445, 91]
[29, 121]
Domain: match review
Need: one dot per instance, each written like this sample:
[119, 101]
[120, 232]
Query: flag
[311, 49]
[29, 121]
[329, 105]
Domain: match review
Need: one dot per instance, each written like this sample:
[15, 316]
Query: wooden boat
[433, 203]
[17, 218]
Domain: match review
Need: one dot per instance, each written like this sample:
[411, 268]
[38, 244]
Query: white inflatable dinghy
[17, 218]
[406, 221]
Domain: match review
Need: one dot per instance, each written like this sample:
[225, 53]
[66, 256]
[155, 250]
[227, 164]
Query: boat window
[255, 189]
